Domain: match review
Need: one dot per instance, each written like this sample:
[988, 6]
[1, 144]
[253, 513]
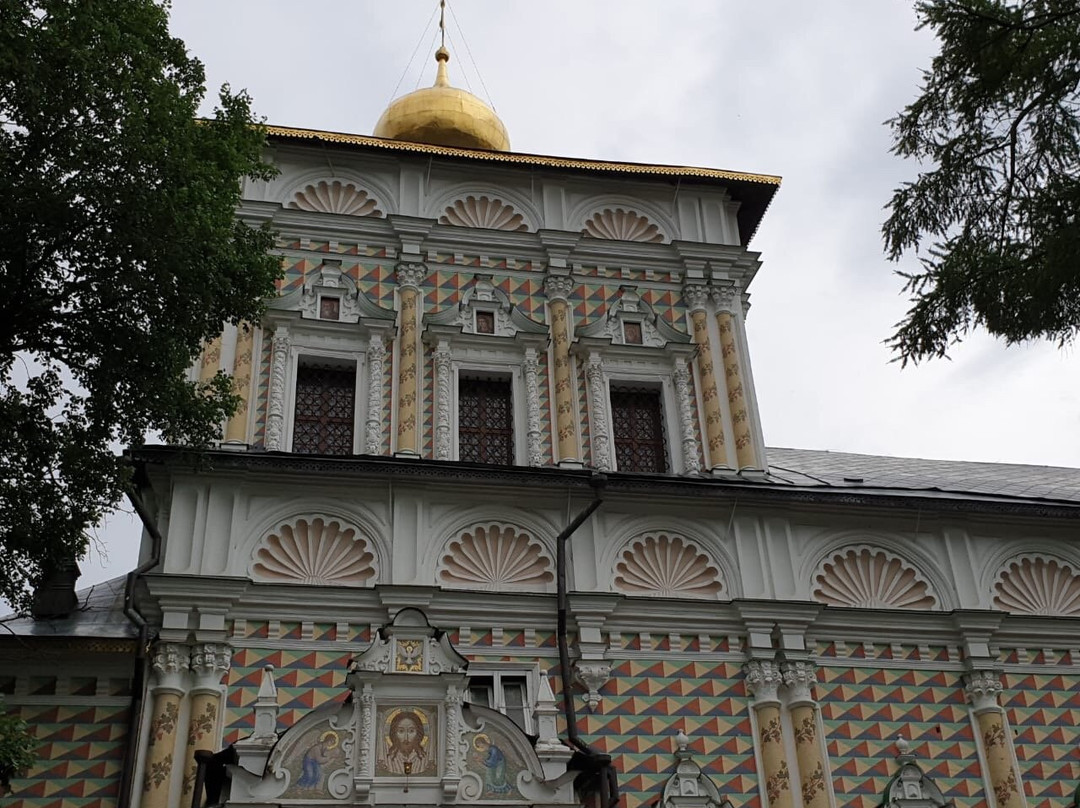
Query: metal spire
[442, 22]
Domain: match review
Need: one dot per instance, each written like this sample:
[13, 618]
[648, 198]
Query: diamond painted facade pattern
[864, 711]
[1043, 711]
[80, 755]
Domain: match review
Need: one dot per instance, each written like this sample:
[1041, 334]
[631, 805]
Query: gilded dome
[442, 115]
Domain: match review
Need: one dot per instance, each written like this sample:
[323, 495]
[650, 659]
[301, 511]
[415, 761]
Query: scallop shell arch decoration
[314, 551]
[666, 566]
[622, 225]
[485, 212]
[335, 197]
[495, 557]
[870, 578]
[1038, 585]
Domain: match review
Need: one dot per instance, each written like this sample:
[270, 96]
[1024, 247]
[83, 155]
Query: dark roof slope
[814, 468]
[99, 615]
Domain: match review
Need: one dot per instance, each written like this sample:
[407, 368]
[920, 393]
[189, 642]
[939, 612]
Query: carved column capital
[410, 275]
[696, 296]
[982, 689]
[169, 663]
[763, 680]
[209, 662]
[799, 679]
[558, 287]
[725, 297]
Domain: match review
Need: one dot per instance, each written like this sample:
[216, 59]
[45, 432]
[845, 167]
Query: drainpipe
[592, 764]
[138, 683]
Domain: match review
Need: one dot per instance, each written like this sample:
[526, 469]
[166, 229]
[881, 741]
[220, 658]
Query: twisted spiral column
[410, 276]
[696, 298]
[799, 678]
[982, 689]
[557, 289]
[725, 298]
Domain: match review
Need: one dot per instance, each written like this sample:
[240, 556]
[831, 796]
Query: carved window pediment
[631, 322]
[486, 310]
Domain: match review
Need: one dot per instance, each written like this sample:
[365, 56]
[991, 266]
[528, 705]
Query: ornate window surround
[292, 323]
[495, 671]
[634, 365]
[481, 355]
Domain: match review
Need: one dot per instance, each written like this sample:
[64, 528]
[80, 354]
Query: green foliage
[120, 254]
[993, 217]
[16, 748]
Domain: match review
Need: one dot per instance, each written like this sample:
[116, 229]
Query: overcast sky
[791, 88]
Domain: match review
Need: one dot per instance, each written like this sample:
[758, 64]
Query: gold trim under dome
[442, 115]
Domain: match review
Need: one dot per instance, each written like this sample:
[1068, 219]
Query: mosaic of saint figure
[493, 759]
[405, 743]
[315, 759]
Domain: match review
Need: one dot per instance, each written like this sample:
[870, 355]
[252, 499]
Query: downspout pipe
[591, 762]
[138, 683]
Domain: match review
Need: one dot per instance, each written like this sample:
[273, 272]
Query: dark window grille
[638, 429]
[485, 421]
[325, 404]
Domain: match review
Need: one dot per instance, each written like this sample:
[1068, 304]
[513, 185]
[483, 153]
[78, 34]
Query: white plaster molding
[435, 206]
[592, 675]
[864, 576]
[558, 287]
[442, 358]
[687, 428]
[495, 557]
[598, 412]
[763, 680]
[294, 182]
[373, 427]
[799, 679]
[531, 370]
[665, 565]
[982, 688]
[1005, 550]
[484, 211]
[1037, 584]
[209, 662]
[280, 346]
[588, 206]
[724, 297]
[318, 551]
[411, 276]
[696, 297]
[335, 196]
[623, 224]
[170, 663]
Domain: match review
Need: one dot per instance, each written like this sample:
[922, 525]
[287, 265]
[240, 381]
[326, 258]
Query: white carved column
[601, 441]
[275, 409]
[452, 769]
[531, 369]
[376, 359]
[443, 387]
[688, 434]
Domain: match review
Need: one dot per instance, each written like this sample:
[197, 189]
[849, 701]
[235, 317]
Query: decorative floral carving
[279, 360]
[336, 197]
[315, 552]
[870, 578]
[531, 367]
[494, 557]
[681, 377]
[777, 782]
[443, 359]
[1036, 585]
[376, 357]
[771, 732]
[622, 225]
[594, 372]
[813, 784]
[483, 211]
[667, 566]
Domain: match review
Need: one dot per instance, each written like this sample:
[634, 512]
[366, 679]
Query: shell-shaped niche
[495, 557]
[622, 225]
[668, 567]
[870, 578]
[483, 211]
[1037, 585]
[314, 551]
[336, 197]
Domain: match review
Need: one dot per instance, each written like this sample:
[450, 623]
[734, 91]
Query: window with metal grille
[325, 409]
[506, 692]
[485, 420]
[638, 429]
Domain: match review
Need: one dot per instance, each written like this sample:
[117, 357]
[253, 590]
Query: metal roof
[99, 615]
[811, 468]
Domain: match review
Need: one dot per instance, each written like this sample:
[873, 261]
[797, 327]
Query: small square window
[506, 692]
[638, 429]
[632, 333]
[485, 322]
[329, 308]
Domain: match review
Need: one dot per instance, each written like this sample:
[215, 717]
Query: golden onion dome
[442, 115]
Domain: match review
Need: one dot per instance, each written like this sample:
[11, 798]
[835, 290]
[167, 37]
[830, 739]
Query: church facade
[355, 597]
